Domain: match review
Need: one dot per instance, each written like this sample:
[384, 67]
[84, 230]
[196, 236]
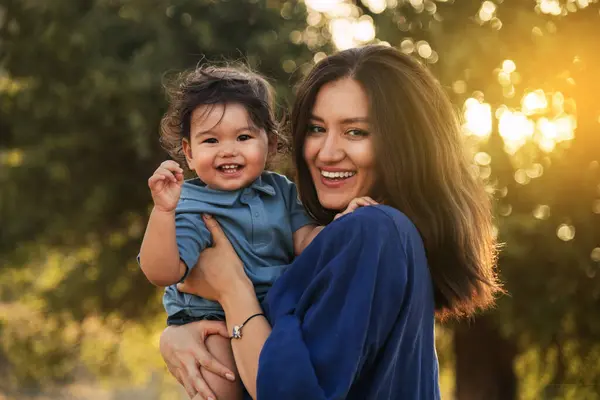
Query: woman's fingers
[211, 364]
[193, 379]
[216, 328]
[189, 387]
[175, 373]
[218, 236]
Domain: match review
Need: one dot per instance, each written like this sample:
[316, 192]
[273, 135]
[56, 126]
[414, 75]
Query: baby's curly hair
[213, 85]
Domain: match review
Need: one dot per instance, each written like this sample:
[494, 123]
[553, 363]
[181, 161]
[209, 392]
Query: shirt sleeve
[297, 213]
[192, 238]
[316, 350]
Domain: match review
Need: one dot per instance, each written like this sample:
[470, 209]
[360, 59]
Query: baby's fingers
[171, 165]
[154, 180]
[169, 176]
[370, 200]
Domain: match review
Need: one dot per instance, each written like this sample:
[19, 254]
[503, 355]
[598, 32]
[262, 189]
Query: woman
[353, 317]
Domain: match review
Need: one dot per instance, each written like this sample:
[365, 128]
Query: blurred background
[80, 103]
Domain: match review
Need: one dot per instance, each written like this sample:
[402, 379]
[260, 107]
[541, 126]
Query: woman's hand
[184, 352]
[218, 271]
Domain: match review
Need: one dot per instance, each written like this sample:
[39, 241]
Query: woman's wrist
[241, 294]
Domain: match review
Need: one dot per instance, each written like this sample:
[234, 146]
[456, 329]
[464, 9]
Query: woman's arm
[238, 307]
[219, 275]
[335, 306]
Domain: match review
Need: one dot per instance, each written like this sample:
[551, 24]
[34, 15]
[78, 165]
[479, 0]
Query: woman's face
[338, 148]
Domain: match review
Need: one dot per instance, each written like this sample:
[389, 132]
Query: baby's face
[226, 149]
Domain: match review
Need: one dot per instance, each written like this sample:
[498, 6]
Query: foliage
[80, 101]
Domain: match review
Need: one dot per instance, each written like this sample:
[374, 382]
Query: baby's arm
[159, 255]
[305, 235]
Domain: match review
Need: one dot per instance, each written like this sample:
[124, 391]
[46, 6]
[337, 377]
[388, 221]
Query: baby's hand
[165, 185]
[357, 202]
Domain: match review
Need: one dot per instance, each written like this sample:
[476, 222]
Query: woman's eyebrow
[352, 120]
[355, 120]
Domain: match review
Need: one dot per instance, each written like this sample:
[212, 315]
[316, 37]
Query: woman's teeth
[338, 175]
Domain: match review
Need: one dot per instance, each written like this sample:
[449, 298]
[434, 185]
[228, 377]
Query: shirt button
[256, 214]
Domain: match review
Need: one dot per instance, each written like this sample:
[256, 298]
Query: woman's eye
[210, 141]
[357, 133]
[315, 129]
[243, 138]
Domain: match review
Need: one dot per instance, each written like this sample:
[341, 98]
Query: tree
[80, 103]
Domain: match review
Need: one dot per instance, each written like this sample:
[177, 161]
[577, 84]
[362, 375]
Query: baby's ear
[273, 142]
[187, 151]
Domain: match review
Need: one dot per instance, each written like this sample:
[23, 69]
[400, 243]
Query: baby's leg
[220, 348]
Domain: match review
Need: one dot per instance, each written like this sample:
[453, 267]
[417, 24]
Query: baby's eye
[210, 141]
[243, 138]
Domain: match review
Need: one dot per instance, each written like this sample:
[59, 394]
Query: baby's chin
[228, 184]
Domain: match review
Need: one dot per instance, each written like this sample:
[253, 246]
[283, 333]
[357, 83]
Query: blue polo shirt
[258, 220]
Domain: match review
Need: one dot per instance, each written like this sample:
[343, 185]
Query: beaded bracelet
[237, 329]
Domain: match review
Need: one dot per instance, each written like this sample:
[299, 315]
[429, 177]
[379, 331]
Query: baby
[221, 124]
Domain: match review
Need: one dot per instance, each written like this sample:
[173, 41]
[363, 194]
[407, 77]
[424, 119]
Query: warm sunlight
[541, 121]
[478, 118]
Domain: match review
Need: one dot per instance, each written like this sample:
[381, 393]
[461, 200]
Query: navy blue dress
[353, 317]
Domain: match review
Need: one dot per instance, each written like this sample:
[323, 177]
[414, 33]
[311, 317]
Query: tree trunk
[484, 362]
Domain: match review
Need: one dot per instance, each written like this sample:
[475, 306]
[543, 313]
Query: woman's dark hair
[215, 85]
[422, 169]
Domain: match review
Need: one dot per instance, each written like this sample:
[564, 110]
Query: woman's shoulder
[379, 219]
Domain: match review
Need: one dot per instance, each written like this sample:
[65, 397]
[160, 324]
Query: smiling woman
[338, 146]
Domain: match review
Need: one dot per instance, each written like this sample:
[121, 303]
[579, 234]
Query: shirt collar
[262, 186]
[196, 189]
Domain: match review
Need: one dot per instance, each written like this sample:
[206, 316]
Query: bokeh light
[487, 11]
[565, 232]
[346, 25]
[478, 118]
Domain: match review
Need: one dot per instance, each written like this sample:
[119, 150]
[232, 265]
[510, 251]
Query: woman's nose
[331, 149]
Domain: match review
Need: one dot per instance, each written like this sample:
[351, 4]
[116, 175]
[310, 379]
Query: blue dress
[353, 316]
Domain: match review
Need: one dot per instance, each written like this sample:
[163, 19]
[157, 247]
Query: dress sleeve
[192, 238]
[359, 275]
